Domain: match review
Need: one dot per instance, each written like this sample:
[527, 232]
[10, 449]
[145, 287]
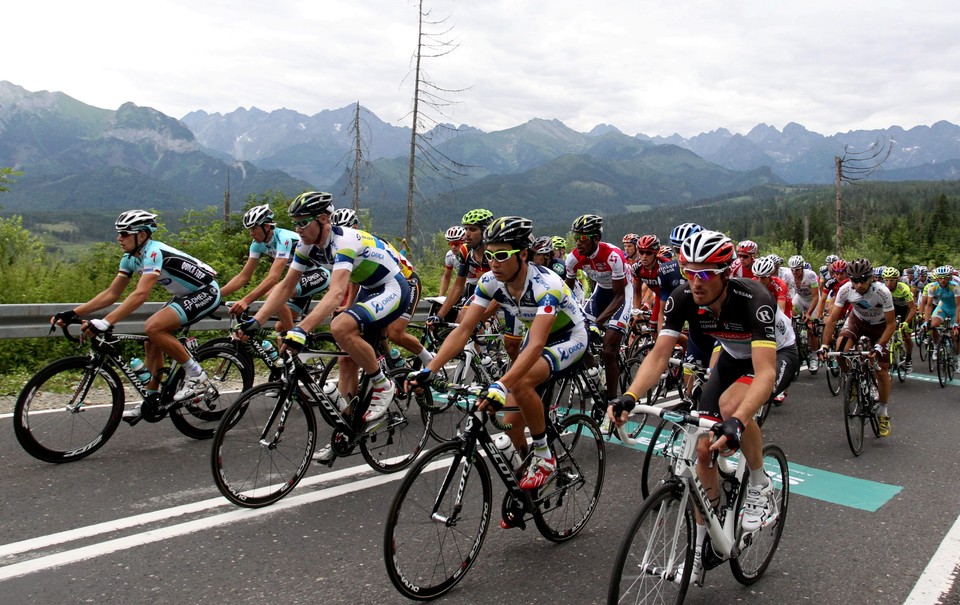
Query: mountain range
[94, 160]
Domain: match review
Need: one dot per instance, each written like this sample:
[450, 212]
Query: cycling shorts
[376, 308]
[312, 282]
[855, 327]
[414, 297]
[196, 305]
[562, 350]
[730, 370]
[801, 305]
[600, 299]
[945, 314]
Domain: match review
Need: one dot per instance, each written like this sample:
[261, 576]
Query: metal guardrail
[33, 321]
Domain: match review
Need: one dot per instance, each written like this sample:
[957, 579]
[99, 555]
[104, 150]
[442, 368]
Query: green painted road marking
[807, 481]
[928, 378]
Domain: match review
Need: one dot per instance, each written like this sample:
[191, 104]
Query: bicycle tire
[853, 416]
[951, 361]
[394, 441]
[754, 557]
[633, 364]
[921, 341]
[834, 376]
[942, 361]
[764, 412]
[930, 360]
[897, 354]
[564, 506]
[50, 433]
[424, 557]
[251, 474]
[230, 374]
[657, 466]
[642, 573]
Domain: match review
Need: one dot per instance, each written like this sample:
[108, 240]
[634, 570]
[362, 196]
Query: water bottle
[330, 390]
[270, 350]
[505, 446]
[486, 362]
[142, 371]
[395, 360]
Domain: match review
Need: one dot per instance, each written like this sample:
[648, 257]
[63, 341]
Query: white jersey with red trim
[606, 264]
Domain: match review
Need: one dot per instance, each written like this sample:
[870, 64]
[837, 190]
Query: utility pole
[855, 166]
[357, 159]
[838, 162]
[226, 203]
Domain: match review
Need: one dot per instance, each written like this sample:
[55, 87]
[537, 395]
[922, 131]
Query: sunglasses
[860, 280]
[126, 233]
[303, 223]
[501, 256]
[646, 252]
[702, 275]
[580, 237]
[744, 256]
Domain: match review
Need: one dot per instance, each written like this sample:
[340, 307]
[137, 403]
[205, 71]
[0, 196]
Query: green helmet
[890, 273]
[480, 217]
[559, 243]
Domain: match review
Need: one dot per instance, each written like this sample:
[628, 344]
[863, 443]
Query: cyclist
[556, 338]
[192, 283]
[278, 244]
[939, 303]
[354, 256]
[872, 316]
[784, 274]
[630, 248]
[609, 303]
[806, 301]
[451, 262]
[746, 254]
[904, 309]
[543, 255]
[764, 271]
[758, 357]
[473, 263]
[649, 274]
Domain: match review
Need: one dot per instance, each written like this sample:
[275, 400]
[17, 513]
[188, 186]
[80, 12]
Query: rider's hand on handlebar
[418, 380]
[95, 326]
[878, 350]
[728, 435]
[246, 329]
[434, 320]
[618, 409]
[64, 318]
[237, 308]
[493, 400]
[822, 353]
[295, 339]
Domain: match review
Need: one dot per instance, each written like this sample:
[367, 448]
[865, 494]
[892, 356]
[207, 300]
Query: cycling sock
[883, 411]
[192, 367]
[540, 447]
[758, 478]
[378, 379]
[425, 356]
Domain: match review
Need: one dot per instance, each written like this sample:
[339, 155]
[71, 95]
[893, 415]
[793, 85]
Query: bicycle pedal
[132, 421]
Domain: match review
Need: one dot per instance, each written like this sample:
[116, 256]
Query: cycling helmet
[311, 203]
[512, 230]
[543, 245]
[747, 247]
[824, 271]
[860, 268]
[878, 271]
[682, 232]
[258, 215]
[796, 262]
[136, 220]
[942, 271]
[479, 217]
[559, 243]
[648, 242]
[807, 265]
[455, 233]
[345, 217]
[923, 270]
[665, 254]
[776, 258]
[588, 224]
[630, 238]
[831, 258]
[764, 267]
[891, 273]
[839, 266]
[707, 247]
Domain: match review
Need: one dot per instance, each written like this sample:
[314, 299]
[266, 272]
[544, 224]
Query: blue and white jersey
[281, 245]
[365, 256]
[179, 273]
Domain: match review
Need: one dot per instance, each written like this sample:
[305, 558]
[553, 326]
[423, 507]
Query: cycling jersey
[365, 256]
[901, 295]
[281, 245]
[808, 283]
[748, 318]
[469, 267]
[786, 276]
[869, 307]
[940, 295]
[781, 292]
[606, 264]
[179, 273]
[451, 261]
[738, 270]
[544, 293]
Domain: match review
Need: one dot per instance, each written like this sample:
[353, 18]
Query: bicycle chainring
[341, 443]
[513, 511]
[151, 411]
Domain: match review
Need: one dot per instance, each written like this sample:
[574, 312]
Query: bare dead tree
[357, 157]
[855, 166]
[432, 42]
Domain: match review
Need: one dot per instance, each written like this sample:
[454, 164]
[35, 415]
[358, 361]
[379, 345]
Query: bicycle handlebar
[479, 391]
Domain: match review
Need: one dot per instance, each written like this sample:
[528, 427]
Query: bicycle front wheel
[392, 442]
[656, 555]
[437, 522]
[943, 360]
[853, 416]
[259, 452]
[230, 373]
[68, 410]
[657, 460]
[757, 548]
[564, 506]
[834, 376]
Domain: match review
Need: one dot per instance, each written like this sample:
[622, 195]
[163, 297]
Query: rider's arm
[339, 285]
[830, 323]
[240, 279]
[654, 363]
[106, 298]
[457, 339]
[814, 302]
[136, 298]
[445, 280]
[890, 326]
[279, 296]
[453, 296]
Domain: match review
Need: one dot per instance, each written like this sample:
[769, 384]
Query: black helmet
[589, 224]
[311, 203]
[514, 230]
[859, 269]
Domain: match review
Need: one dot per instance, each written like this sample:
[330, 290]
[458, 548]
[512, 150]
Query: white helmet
[258, 215]
[764, 267]
[796, 262]
[136, 220]
[455, 233]
[344, 217]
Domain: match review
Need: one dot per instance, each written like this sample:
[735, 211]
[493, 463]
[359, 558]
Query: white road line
[22, 546]
[111, 546]
[941, 572]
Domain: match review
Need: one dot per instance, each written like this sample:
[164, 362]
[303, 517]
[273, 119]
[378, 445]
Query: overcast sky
[646, 67]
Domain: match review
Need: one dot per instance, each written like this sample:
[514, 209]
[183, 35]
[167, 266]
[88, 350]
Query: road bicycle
[803, 330]
[898, 355]
[265, 441]
[72, 406]
[440, 515]
[860, 403]
[832, 369]
[656, 555]
[946, 356]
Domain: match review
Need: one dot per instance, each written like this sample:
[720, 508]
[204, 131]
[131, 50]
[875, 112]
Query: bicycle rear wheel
[564, 506]
[853, 416]
[834, 376]
[392, 442]
[432, 538]
[757, 548]
[920, 339]
[230, 374]
[943, 360]
[657, 462]
[252, 472]
[658, 541]
[897, 358]
[68, 410]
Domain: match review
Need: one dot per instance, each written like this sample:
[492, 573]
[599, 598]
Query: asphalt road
[141, 521]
